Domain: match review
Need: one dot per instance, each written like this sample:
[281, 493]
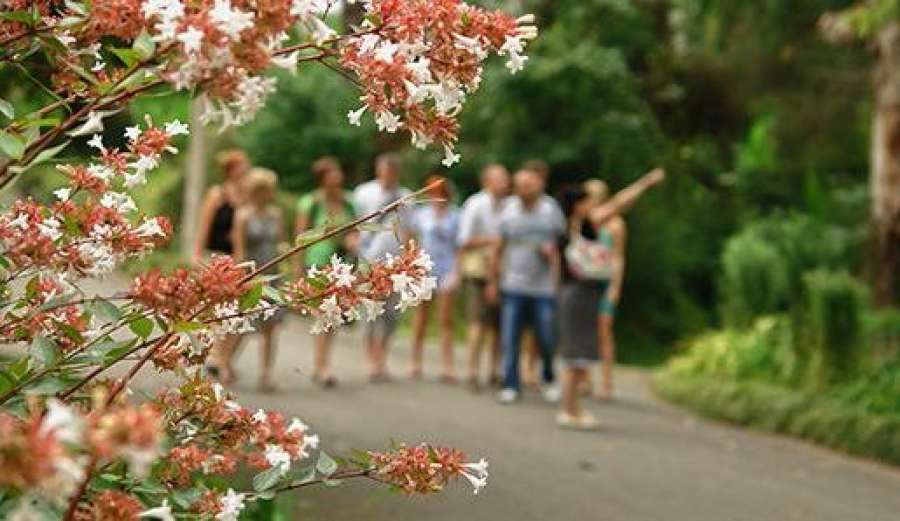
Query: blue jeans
[517, 311]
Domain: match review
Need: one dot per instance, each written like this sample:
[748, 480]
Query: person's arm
[492, 288]
[301, 225]
[238, 237]
[619, 232]
[624, 200]
[210, 203]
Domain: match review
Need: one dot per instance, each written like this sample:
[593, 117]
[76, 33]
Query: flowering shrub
[77, 443]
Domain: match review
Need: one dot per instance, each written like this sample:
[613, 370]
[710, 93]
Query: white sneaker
[551, 393]
[585, 422]
[507, 396]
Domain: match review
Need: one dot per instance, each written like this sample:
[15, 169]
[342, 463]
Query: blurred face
[496, 181]
[262, 196]
[387, 173]
[528, 185]
[237, 168]
[333, 179]
[597, 191]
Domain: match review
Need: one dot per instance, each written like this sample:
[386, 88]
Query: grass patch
[824, 420]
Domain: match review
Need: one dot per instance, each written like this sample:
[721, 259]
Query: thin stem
[339, 230]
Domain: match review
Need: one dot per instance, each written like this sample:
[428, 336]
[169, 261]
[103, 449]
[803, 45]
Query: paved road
[650, 461]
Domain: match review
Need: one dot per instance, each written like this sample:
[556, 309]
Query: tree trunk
[194, 180]
[885, 176]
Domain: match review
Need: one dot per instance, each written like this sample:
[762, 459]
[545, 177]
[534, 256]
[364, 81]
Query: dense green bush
[754, 280]
[762, 352]
[831, 324]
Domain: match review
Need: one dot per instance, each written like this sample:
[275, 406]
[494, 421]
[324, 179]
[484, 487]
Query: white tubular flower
[287, 62]
[63, 194]
[355, 116]
[387, 121]
[386, 51]
[278, 458]
[230, 506]
[160, 513]
[341, 273]
[150, 228]
[321, 32]
[421, 70]
[63, 422]
[192, 39]
[417, 93]
[101, 172]
[20, 221]
[92, 125]
[119, 201]
[297, 425]
[259, 416]
[230, 21]
[373, 309]
[50, 228]
[368, 43]
[176, 128]
[450, 157]
[473, 45]
[132, 133]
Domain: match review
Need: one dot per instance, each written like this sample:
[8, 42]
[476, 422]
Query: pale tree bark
[884, 185]
[194, 181]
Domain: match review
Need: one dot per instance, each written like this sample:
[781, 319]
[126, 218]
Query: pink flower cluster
[339, 293]
[422, 58]
[94, 224]
[425, 469]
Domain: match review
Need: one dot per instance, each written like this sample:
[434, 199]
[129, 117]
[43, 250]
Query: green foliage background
[758, 120]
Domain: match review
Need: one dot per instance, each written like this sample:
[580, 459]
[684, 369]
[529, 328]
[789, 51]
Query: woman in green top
[326, 207]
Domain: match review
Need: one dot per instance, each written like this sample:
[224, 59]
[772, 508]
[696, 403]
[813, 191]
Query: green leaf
[48, 153]
[106, 310]
[187, 327]
[150, 486]
[142, 327]
[251, 298]
[21, 16]
[326, 464]
[7, 109]
[11, 145]
[304, 475]
[267, 479]
[127, 56]
[144, 46]
[44, 350]
[47, 386]
[185, 498]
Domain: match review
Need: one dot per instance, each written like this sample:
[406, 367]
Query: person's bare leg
[372, 348]
[445, 319]
[420, 324]
[474, 338]
[608, 354]
[322, 357]
[226, 350]
[569, 402]
[267, 353]
[494, 333]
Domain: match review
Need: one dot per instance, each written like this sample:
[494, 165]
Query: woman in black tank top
[219, 206]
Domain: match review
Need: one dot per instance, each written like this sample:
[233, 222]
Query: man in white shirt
[479, 230]
[374, 244]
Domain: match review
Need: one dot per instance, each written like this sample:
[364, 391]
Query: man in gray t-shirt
[525, 271]
[374, 244]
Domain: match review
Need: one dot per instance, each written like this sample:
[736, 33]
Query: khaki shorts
[478, 309]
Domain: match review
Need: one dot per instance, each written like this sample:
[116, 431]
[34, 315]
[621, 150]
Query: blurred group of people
[532, 273]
